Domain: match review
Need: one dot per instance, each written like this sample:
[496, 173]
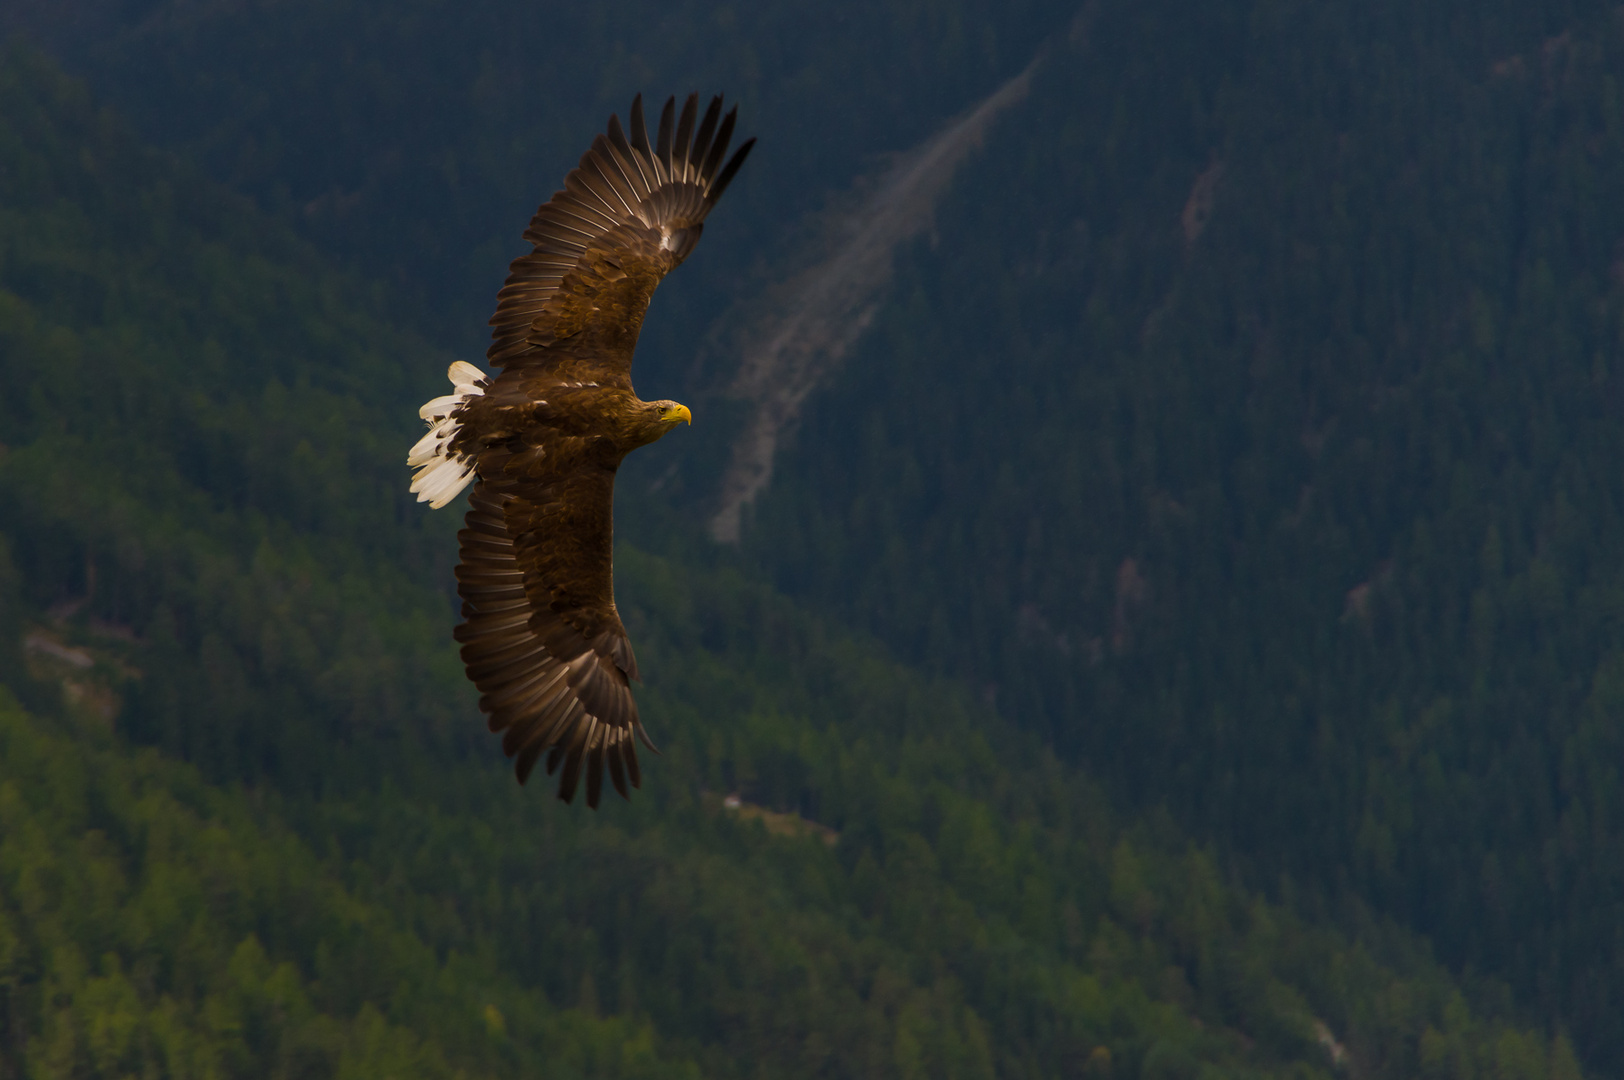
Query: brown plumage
[541, 442]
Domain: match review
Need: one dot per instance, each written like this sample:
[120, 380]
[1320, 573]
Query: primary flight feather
[541, 441]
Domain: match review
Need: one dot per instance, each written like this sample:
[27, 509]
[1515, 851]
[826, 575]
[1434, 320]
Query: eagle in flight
[541, 441]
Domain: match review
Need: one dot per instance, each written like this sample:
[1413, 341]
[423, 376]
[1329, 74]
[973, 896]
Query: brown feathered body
[541, 442]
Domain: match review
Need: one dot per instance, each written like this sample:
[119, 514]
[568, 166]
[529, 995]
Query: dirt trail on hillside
[822, 311]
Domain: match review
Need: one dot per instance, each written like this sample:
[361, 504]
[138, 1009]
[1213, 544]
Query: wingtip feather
[662, 149]
[730, 171]
[685, 135]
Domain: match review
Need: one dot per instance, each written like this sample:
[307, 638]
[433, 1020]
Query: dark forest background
[1183, 637]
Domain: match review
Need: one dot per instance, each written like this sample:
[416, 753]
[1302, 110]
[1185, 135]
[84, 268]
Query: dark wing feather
[662, 149]
[685, 135]
[707, 128]
[541, 637]
[637, 209]
[640, 138]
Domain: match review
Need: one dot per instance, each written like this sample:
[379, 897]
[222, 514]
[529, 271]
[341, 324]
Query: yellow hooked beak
[679, 412]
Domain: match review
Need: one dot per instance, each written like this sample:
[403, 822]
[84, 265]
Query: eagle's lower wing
[628, 209]
[542, 639]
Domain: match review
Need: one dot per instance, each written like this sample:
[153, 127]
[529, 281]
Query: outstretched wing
[542, 639]
[628, 214]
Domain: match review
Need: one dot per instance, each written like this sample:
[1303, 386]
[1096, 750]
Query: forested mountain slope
[413, 140]
[1245, 429]
[1265, 455]
[152, 925]
[211, 556]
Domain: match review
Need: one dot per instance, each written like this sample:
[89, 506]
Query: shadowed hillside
[262, 832]
[1263, 454]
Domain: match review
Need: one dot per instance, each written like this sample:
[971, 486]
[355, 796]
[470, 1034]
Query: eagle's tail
[441, 474]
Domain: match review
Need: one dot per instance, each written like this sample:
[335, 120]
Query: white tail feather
[441, 475]
[466, 378]
[440, 406]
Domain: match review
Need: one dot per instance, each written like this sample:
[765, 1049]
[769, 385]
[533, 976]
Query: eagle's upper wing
[542, 639]
[628, 214]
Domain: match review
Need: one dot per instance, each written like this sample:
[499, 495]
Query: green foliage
[151, 922]
[14, 671]
[247, 405]
[153, 925]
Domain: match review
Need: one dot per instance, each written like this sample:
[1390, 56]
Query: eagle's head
[673, 413]
[659, 417]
